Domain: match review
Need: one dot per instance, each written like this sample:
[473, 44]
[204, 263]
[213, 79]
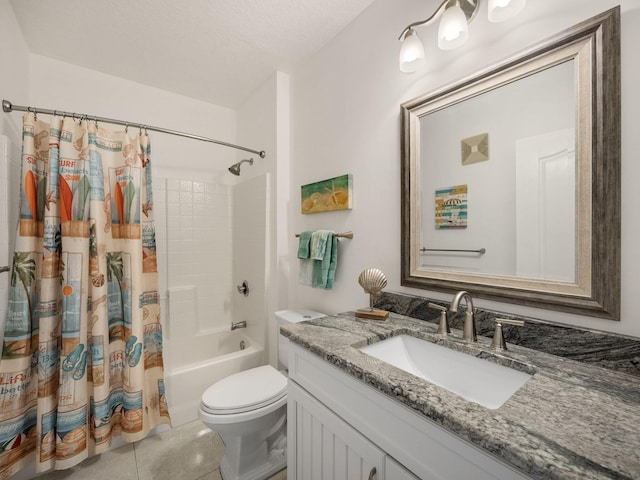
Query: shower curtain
[82, 350]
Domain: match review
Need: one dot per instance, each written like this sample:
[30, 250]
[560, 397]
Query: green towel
[324, 270]
[333, 264]
[303, 244]
[320, 240]
[320, 273]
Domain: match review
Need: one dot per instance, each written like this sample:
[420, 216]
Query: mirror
[511, 177]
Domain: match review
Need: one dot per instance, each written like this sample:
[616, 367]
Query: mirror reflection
[497, 180]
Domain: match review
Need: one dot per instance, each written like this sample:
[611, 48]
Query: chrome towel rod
[481, 251]
[339, 235]
[8, 107]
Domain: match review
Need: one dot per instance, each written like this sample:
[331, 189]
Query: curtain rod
[8, 107]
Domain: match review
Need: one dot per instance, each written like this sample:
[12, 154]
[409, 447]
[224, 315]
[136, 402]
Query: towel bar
[481, 251]
[339, 235]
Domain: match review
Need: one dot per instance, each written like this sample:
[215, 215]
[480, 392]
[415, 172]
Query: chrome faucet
[235, 325]
[469, 329]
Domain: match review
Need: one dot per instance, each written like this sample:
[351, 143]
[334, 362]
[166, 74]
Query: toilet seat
[245, 391]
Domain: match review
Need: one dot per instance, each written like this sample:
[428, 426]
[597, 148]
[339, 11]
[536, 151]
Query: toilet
[249, 411]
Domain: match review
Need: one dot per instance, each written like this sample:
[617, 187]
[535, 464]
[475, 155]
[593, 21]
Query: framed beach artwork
[327, 195]
[451, 207]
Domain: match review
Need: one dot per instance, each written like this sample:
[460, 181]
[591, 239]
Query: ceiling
[218, 51]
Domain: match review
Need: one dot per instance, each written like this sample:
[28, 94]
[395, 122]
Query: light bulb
[501, 10]
[411, 53]
[453, 30]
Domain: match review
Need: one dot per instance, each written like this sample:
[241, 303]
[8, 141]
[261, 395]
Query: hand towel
[333, 264]
[305, 274]
[319, 241]
[303, 245]
[323, 273]
[321, 269]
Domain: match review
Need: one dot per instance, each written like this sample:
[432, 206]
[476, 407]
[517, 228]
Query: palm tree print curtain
[82, 350]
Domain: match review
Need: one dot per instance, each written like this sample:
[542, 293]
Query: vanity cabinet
[338, 427]
[328, 448]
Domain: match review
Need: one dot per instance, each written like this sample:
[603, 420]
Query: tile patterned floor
[188, 452]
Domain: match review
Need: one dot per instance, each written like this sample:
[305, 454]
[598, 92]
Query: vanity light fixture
[455, 16]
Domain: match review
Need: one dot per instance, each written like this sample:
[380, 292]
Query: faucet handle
[498, 342]
[438, 307]
[443, 327]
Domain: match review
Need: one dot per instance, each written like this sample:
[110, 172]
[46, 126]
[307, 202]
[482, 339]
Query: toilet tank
[285, 317]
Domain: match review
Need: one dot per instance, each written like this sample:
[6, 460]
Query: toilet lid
[245, 391]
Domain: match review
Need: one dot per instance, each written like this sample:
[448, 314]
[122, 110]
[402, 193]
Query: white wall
[62, 86]
[263, 124]
[346, 119]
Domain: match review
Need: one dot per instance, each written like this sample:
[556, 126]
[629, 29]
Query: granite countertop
[571, 420]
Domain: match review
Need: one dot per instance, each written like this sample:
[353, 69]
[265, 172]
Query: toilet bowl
[249, 411]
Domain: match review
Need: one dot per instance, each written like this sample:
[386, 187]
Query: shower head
[235, 168]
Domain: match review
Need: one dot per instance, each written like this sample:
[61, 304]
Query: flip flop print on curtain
[82, 352]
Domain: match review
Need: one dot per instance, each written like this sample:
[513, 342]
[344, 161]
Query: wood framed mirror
[511, 177]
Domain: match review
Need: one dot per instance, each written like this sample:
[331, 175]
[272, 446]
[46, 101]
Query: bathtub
[185, 383]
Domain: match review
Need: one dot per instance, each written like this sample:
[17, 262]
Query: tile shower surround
[193, 233]
[608, 350]
[4, 234]
[9, 169]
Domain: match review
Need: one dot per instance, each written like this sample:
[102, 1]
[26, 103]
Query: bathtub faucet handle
[235, 325]
[243, 289]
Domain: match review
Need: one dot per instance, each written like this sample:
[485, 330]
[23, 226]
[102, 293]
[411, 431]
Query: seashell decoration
[372, 280]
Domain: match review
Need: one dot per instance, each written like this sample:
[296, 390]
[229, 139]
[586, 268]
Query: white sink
[474, 379]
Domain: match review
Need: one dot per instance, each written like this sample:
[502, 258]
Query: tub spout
[235, 325]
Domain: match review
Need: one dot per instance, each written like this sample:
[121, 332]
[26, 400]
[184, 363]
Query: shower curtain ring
[126, 128]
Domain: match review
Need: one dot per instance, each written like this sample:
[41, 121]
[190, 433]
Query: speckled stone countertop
[569, 421]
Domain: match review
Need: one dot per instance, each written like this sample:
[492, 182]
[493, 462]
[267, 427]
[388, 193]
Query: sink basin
[474, 379]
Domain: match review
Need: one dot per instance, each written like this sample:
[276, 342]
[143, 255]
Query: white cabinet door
[394, 471]
[323, 447]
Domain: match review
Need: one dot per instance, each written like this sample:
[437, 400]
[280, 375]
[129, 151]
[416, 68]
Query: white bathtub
[185, 384]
